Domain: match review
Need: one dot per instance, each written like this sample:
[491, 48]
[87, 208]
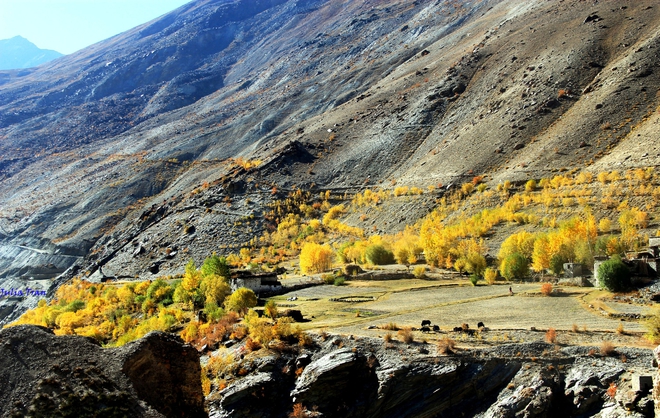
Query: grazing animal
[458, 329]
[481, 325]
[436, 328]
[426, 322]
[465, 327]
[426, 329]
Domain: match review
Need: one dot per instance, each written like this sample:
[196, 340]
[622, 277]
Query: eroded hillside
[119, 149]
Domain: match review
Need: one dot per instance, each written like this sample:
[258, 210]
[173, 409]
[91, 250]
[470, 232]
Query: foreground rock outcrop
[344, 377]
[44, 375]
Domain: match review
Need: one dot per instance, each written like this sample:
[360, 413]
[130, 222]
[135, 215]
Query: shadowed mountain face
[100, 150]
[18, 52]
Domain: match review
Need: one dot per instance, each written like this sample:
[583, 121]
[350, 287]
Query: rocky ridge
[362, 377]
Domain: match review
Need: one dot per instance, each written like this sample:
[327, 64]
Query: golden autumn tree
[315, 258]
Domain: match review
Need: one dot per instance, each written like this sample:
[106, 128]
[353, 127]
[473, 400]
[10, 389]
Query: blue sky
[69, 25]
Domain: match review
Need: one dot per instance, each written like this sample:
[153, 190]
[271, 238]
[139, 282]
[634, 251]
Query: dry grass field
[580, 315]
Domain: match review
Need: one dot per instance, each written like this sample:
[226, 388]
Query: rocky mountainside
[18, 52]
[114, 154]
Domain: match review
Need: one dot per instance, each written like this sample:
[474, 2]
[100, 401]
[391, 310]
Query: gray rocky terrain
[339, 376]
[109, 154]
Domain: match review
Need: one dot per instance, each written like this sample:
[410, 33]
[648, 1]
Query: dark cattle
[458, 329]
[481, 325]
[436, 328]
[426, 329]
[426, 322]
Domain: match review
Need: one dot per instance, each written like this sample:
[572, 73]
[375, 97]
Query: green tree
[557, 264]
[215, 265]
[241, 300]
[377, 254]
[514, 267]
[613, 275]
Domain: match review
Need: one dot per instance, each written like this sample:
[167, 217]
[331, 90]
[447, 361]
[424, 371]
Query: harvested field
[449, 303]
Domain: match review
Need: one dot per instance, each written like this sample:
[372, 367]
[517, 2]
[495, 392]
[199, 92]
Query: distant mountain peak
[18, 52]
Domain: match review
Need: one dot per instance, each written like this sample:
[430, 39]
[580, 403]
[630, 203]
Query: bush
[551, 335]
[328, 278]
[406, 335]
[446, 346]
[474, 279]
[613, 275]
[419, 272]
[607, 349]
[340, 281]
[514, 267]
[490, 275]
[390, 326]
[377, 255]
[546, 289]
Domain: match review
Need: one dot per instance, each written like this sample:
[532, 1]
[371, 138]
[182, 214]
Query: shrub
[377, 254]
[490, 275]
[252, 345]
[613, 275]
[328, 278]
[390, 327]
[388, 337]
[611, 391]
[340, 281]
[514, 267]
[406, 335]
[546, 289]
[620, 329]
[446, 346]
[530, 186]
[270, 309]
[474, 279]
[299, 411]
[419, 272]
[551, 336]
[607, 349]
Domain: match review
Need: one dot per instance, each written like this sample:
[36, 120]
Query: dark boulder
[47, 375]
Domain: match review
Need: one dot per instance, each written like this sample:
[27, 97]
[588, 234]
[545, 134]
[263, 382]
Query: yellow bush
[333, 213]
[490, 275]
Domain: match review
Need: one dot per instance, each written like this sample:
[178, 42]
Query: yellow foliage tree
[315, 258]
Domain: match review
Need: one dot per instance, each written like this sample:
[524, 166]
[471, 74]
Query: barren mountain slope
[102, 149]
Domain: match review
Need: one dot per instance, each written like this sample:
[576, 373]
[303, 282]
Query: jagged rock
[586, 383]
[340, 383]
[532, 395]
[48, 375]
[248, 396]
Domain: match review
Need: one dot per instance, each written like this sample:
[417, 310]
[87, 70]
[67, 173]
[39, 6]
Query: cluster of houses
[643, 266]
